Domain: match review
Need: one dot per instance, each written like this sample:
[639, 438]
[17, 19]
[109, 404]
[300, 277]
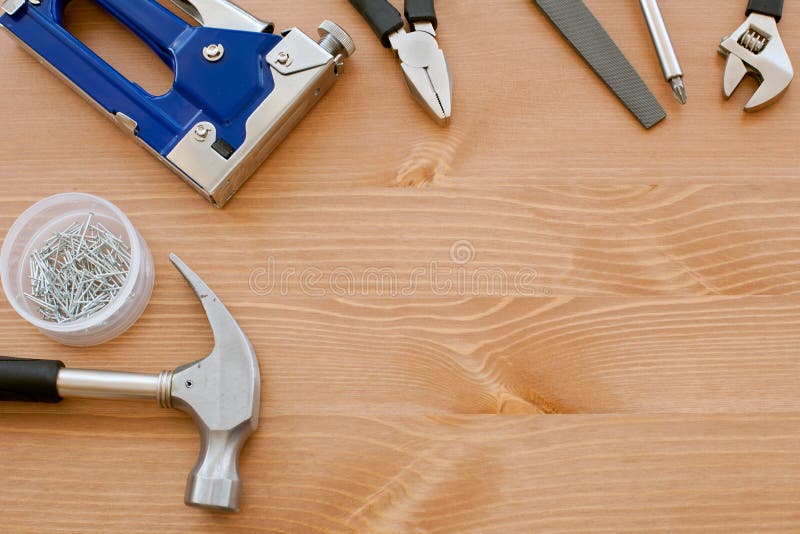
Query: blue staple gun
[238, 88]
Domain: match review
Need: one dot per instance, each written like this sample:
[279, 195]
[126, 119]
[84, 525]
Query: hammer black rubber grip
[771, 8]
[381, 16]
[421, 11]
[25, 380]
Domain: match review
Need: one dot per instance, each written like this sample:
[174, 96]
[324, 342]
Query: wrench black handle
[421, 11]
[382, 17]
[25, 380]
[771, 8]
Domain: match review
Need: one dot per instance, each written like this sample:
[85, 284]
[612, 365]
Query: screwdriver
[666, 52]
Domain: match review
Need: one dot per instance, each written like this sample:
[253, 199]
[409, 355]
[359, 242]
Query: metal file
[583, 31]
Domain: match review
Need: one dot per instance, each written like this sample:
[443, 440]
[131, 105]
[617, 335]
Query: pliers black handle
[385, 20]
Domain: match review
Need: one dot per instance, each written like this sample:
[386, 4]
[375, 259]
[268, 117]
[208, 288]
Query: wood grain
[412, 474]
[665, 241]
[473, 355]
[643, 376]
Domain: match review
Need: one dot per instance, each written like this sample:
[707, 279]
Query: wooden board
[636, 473]
[542, 318]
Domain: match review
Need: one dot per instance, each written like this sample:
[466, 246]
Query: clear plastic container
[54, 214]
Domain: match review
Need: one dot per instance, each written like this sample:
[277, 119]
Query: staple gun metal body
[238, 89]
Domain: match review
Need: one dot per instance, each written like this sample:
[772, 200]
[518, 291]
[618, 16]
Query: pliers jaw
[755, 48]
[425, 69]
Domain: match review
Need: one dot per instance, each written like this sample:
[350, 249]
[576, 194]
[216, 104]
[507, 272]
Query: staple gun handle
[222, 92]
[152, 22]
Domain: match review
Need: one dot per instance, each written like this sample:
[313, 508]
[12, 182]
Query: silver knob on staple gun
[221, 392]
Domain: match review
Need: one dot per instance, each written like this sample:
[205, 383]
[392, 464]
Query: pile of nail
[78, 271]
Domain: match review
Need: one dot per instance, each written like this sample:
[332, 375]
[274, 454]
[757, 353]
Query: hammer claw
[223, 325]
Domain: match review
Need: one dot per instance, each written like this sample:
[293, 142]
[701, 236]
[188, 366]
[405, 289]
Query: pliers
[756, 48]
[421, 59]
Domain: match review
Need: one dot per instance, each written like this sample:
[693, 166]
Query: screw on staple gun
[238, 89]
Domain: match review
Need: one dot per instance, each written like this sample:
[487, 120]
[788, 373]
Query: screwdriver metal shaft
[666, 52]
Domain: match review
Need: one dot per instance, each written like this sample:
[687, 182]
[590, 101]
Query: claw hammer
[221, 392]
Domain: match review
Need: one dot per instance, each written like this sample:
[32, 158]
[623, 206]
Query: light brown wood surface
[645, 377]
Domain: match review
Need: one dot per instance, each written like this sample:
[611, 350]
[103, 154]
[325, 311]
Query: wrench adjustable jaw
[221, 392]
[756, 48]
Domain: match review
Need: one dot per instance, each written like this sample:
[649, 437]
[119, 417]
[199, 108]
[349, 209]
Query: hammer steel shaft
[113, 385]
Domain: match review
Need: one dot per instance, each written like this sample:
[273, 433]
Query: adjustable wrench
[755, 48]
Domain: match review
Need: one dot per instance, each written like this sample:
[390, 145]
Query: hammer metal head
[222, 393]
[756, 48]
